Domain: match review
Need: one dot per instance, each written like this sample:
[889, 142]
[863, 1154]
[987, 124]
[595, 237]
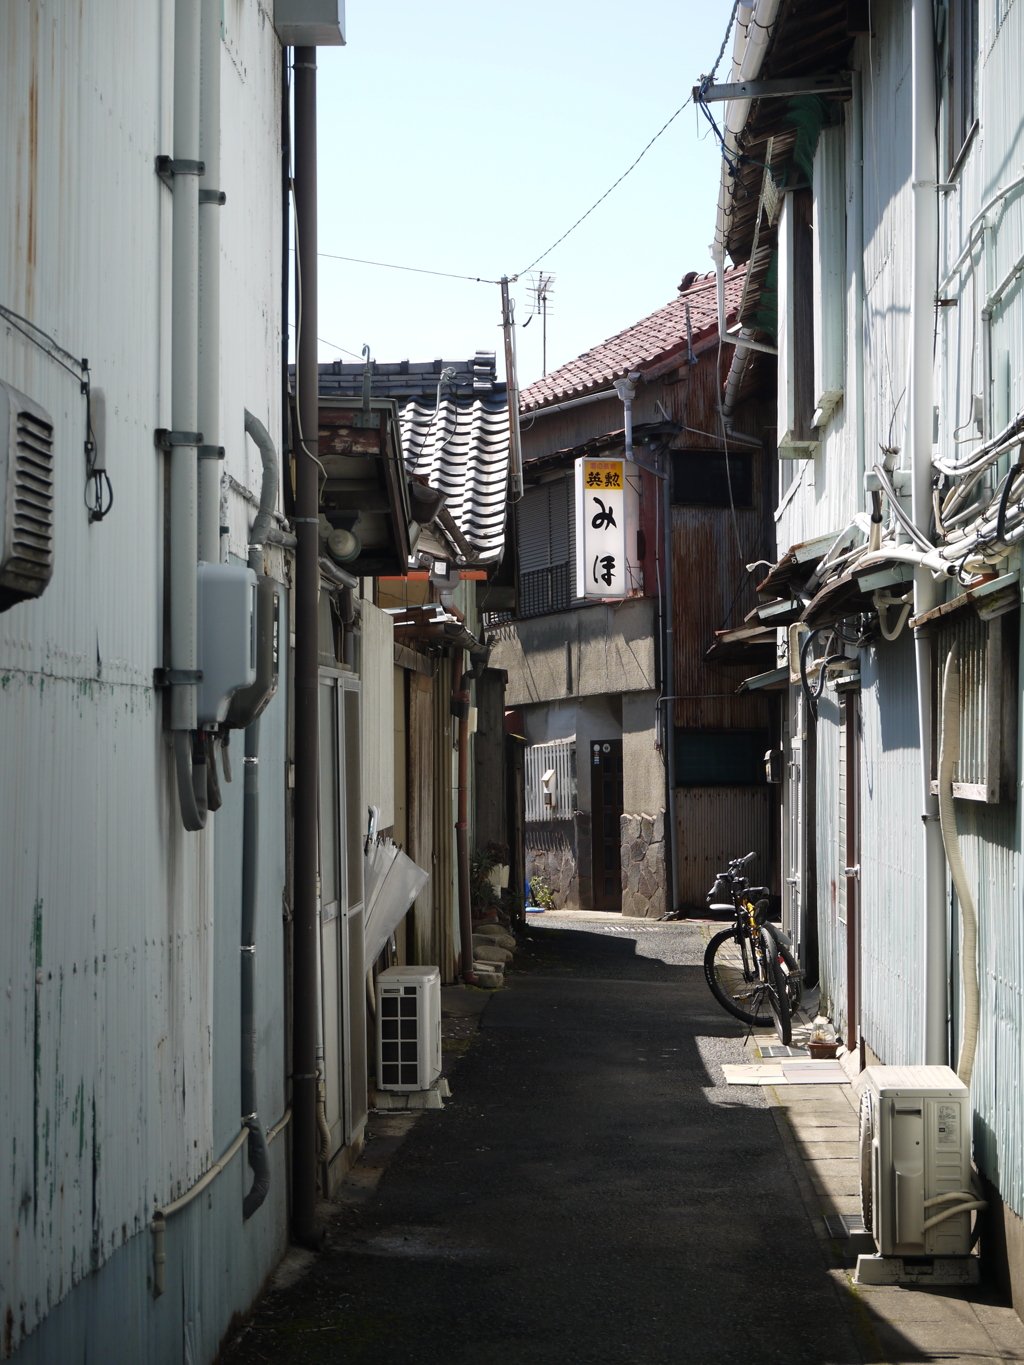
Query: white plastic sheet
[392, 881]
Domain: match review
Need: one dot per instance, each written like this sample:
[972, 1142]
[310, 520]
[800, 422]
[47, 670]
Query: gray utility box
[915, 1155]
[248, 703]
[310, 23]
[226, 636]
[408, 1028]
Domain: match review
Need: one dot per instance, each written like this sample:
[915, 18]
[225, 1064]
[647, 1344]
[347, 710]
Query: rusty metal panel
[712, 586]
[716, 824]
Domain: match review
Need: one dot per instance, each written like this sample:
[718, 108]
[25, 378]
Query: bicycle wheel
[777, 989]
[731, 972]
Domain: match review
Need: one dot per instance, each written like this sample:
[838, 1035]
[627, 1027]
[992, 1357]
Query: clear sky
[467, 137]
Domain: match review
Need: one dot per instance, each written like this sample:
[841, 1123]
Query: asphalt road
[593, 1194]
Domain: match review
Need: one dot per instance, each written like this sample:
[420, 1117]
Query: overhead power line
[479, 279]
[415, 269]
[608, 190]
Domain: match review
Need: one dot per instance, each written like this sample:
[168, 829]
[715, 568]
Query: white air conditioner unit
[915, 1163]
[408, 1028]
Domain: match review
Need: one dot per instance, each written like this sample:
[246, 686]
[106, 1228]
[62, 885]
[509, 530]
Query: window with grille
[546, 548]
[720, 758]
[987, 665]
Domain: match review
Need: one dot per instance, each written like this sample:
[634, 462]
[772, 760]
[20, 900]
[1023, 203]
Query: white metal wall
[106, 936]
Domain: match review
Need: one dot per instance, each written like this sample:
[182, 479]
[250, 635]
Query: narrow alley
[592, 1192]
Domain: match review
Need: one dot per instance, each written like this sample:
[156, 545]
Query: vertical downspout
[855, 254]
[259, 1158]
[189, 755]
[307, 736]
[461, 699]
[208, 405]
[669, 677]
[919, 414]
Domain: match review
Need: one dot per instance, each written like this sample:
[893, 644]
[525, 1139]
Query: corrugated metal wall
[119, 937]
[716, 824]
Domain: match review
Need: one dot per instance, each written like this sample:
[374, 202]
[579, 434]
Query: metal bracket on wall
[213, 197]
[169, 440]
[167, 168]
[175, 677]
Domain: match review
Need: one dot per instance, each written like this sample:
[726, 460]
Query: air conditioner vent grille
[26, 497]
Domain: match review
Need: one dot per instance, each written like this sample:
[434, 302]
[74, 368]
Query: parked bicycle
[750, 966]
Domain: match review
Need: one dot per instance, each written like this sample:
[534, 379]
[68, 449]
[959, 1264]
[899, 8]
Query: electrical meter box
[408, 1028]
[226, 601]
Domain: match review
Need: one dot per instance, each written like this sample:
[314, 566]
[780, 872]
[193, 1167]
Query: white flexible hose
[949, 753]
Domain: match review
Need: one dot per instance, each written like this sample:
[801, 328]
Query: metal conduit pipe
[258, 1155]
[919, 416]
[305, 994]
[183, 544]
[208, 353]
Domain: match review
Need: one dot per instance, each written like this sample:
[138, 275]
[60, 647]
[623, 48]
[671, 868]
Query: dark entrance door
[605, 813]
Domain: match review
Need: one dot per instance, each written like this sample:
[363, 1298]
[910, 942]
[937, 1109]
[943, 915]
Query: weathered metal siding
[892, 872]
[111, 937]
[377, 670]
[831, 859]
[711, 586]
[714, 825]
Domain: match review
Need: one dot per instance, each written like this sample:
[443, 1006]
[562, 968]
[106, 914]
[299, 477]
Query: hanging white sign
[601, 528]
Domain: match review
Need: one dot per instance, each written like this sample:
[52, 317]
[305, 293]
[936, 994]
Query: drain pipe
[189, 747]
[306, 685]
[626, 389]
[669, 679]
[919, 417]
[259, 1157]
[460, 705]
[211, 199]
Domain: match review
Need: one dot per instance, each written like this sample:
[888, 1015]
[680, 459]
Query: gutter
[305, 975]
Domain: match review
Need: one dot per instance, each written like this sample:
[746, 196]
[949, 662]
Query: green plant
[540, 894]
[484, 895]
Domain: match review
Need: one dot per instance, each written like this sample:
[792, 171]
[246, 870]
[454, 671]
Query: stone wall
[551, 854]
[643, 865]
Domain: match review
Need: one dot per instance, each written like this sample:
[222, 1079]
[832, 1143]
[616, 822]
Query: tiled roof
[640, 346]
[454, 433]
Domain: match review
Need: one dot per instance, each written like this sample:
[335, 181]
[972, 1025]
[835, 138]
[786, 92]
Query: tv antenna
[542, 289]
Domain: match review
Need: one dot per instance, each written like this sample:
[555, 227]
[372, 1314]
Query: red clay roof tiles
[638, 347]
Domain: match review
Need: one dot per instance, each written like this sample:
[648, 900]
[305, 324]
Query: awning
[747, 644]
[989, 599]
[773, 681]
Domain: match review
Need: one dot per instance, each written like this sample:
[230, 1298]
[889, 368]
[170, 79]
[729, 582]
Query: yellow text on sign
[602, 474]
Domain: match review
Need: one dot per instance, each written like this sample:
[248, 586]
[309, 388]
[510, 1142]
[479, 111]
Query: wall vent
[26, 497]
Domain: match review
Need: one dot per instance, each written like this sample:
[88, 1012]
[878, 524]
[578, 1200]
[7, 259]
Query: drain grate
[844, 1225]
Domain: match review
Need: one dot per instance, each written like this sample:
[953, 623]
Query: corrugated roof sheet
[637, 347]
[454, 434]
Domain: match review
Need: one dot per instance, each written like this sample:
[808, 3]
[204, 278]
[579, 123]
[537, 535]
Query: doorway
[606, 823]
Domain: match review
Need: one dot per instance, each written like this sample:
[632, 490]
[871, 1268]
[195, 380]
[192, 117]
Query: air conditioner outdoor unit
[408, 1028]
[916, 1180]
